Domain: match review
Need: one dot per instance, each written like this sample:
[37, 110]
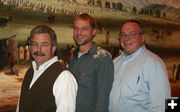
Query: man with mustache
[92, 66]
[140, 78]
[47, 86]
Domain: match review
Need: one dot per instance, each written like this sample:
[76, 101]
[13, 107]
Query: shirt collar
[92, 50]
[45, 65]
[132, 56]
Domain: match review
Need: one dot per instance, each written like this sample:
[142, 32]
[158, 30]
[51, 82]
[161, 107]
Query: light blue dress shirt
[140, 84]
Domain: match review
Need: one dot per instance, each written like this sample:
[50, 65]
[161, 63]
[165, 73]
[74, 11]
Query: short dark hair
[44, 29]
[86, 17]
[137, 22]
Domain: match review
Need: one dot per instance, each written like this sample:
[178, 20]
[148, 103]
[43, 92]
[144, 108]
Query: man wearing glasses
[140, 80]
[47, 86]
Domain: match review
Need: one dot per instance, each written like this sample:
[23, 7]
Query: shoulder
[30, 69]
[66, 76]
[102, 53]
[67, 73]
[152, 57]
[117, 59]
[58, 65]
[151, 60]
[65, 83]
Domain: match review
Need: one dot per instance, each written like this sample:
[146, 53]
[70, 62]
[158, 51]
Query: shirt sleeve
[65, 91]
[105, 76]
[159, 86]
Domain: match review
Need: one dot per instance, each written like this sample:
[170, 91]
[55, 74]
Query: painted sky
[141, 3]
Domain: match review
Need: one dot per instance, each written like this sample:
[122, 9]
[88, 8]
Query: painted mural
[160, 18]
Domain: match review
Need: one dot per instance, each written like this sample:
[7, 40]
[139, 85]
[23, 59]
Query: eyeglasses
[130, 34]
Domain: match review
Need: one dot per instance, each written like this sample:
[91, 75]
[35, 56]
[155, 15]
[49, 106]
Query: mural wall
[160, 18]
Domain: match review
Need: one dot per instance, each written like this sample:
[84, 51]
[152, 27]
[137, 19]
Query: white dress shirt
[64, 89]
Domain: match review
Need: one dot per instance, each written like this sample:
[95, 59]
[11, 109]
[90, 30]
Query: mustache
[39, 53]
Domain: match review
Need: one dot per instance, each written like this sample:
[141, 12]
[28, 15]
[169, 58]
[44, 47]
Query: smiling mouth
[128, 43]
[38, 56]
[79, 37]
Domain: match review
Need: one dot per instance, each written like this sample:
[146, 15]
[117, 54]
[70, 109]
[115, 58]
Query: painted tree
[142, 11]
[158, 13]
[114, 5]
[99, 3]
[74, 1]
[146, 12]
[164, 14]
[91, 2]
[107, 5]
[151, 12]
[134, 10]
[119, 6]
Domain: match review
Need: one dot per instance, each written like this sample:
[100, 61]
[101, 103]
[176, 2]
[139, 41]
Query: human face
[41, 48]
[83, 33]
[131, 39]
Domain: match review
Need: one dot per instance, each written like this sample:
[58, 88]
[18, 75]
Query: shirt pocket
[136, 89]
[86, 78]
[132, 86]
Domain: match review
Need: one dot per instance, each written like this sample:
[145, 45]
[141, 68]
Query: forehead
[130, 26]
[44, 37]
[81, 22]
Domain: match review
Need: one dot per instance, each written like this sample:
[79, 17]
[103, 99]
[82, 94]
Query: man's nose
[39, 47]
[126, 36]
[79, 31]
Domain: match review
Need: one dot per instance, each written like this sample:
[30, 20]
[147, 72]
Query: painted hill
[170, 11]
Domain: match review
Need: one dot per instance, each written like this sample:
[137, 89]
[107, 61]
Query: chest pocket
[131, 85]
[87, 77]
[136, 88]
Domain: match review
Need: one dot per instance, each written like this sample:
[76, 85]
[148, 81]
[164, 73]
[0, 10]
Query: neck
[37, 68]
[39, 64]
[85, 48]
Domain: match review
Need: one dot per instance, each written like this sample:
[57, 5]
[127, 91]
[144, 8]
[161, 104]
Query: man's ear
[54, 49]
[143, 38]
[94, 32]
